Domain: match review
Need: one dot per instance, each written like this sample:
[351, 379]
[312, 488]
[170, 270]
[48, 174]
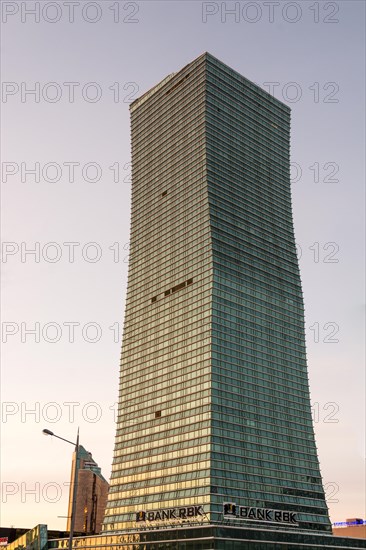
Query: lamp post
[76, 469]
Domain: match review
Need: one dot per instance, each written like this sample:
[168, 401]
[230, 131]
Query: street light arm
[48, 432]
[75, 481]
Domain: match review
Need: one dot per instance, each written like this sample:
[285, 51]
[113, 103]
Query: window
[178, 287]
[177, 84]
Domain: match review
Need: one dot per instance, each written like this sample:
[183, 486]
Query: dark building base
[211, 537]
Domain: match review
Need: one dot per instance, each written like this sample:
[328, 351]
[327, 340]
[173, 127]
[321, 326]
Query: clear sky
[85, 61]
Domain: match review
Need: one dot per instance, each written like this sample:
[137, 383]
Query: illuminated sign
[231, 510]
[169, 514]
[347, 523]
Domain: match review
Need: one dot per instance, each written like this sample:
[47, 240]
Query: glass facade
[214, 401]
[211, 538]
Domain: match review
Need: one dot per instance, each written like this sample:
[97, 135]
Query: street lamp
[76, 470]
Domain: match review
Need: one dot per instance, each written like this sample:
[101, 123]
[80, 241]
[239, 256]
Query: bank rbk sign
[259, 514]
[169, 514]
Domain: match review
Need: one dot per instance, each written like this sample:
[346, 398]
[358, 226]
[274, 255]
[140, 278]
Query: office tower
[91, 494]
[214, 420]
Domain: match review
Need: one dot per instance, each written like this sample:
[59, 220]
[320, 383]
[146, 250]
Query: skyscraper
[214, 420]
[91, 494]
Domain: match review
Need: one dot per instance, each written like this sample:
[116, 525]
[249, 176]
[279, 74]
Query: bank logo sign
[231, 510]
[171, 514]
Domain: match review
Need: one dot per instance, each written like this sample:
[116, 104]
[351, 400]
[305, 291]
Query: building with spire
[91, 494]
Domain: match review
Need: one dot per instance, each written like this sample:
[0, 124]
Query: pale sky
[85, 61]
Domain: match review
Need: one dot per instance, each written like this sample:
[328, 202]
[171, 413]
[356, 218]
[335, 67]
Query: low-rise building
[352, 527]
